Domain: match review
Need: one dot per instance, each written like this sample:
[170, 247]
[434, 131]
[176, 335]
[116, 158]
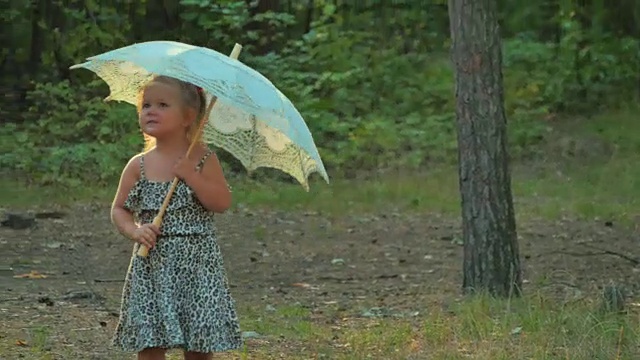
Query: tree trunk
[39, 9]
[491, 259]
[309, 18]
[266, 32]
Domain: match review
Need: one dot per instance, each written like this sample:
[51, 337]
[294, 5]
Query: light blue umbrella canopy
[251, 119]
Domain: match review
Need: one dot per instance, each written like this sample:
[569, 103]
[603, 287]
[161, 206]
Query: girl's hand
[146, 235]
[185, 168]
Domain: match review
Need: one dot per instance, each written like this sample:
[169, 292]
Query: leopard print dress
[178, 296]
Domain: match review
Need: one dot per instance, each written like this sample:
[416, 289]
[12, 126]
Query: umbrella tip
[236, 51]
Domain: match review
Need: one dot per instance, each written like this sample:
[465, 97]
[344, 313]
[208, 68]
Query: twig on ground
[632, 260]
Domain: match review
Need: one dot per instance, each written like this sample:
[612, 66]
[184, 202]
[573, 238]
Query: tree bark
[265, 43]
[491, 258]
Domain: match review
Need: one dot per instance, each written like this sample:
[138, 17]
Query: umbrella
[253, 120]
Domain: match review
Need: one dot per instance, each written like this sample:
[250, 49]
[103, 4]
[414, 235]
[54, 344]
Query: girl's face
[162, 111]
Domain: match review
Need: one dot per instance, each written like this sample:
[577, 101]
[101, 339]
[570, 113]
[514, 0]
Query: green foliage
[373, 100]
[69, 136]
[569, 187]
[219, 24]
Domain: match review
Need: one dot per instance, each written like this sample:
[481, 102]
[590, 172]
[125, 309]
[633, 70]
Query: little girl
[177, 296]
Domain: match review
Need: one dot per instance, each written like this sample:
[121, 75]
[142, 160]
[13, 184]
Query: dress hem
[174, 346]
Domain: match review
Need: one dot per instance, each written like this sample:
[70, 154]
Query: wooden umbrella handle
[157, 221]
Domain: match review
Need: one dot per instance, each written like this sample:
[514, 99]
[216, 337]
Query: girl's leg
[190, 355]
[152, 354]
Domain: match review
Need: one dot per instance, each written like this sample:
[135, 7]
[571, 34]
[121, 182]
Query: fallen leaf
[516, 330]
[415, 345]
[305, 286]
[31, 275]
[250, 335]
[21, 343]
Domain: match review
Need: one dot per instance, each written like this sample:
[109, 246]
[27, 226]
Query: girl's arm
[208, 184]
[121, 217]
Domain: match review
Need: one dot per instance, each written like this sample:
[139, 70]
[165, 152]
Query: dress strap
[142, 175]
[203, 159]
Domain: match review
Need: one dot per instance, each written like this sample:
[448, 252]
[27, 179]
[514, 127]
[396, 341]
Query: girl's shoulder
[147, 152]
[200, 150]
[130, 177]
[134, 165]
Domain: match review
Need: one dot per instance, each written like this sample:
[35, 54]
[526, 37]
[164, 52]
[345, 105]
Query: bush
[372, 101]
[69, 136]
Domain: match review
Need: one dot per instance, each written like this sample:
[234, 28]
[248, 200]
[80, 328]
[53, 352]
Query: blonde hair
[192, 97]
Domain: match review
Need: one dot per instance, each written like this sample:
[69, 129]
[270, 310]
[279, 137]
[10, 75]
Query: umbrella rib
[304, 175]
[252, 150]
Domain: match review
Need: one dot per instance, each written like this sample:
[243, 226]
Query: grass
[601, 185]
[588, 183]
[608, 191]
[480, 328]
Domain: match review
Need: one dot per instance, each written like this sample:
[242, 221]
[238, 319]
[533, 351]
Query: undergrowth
[378, 108]
[589, 171]
[533, 327]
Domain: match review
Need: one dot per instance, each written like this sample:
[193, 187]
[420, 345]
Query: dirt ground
[396, 261]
